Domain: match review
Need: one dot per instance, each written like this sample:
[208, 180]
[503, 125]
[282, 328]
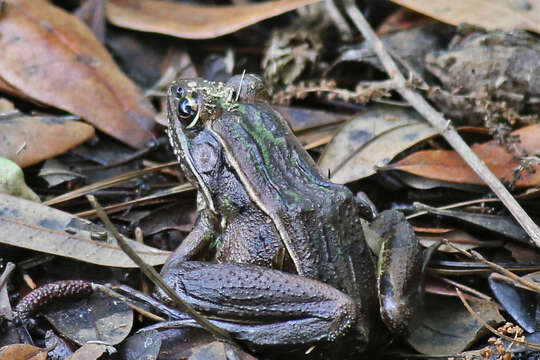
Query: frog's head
[193, 105]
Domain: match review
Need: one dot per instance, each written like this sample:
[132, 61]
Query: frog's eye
[188, 109]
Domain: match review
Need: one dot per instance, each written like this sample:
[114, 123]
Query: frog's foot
[262, 306]
[400, 292]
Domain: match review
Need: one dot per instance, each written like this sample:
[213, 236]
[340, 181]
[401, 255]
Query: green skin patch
[214, 239]
[228, 207]
[260, 140]
[261, 136]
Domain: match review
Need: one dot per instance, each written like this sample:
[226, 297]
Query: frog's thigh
[291, 308]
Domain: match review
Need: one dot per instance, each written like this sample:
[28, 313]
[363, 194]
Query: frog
[290, 266]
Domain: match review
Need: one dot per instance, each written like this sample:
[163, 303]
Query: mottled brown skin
[260, 194]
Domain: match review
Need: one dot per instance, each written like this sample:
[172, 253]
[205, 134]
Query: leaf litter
[324, 69]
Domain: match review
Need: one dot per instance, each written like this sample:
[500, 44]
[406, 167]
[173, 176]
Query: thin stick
[153, 275]
[110, 292]
[466, 288]
[106, 183]
[489, 327]
[454, 205]
[474, 255]
[440, 123]
[5, 275]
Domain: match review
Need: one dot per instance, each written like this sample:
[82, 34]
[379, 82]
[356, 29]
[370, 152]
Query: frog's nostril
[180, 92]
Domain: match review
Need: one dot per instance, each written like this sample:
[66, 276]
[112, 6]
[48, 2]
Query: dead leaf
[145, 345]
[304, 119]
[447, 165]
[459, 238]
[92, 13]
[523, 254]
[9, 331]
[5, 87]
[446, 327]
[96, 318]
[22, 352]
[28, 140]
[52, 57]
[423, 183]
[41, 228]
[498, 224]
[54, 172]
[490, 14]
[194, 21]
[372, 139]
[6, 106]
[519, 303]
[401, 19]
[88, 352]
[318, 137]
[218, 350]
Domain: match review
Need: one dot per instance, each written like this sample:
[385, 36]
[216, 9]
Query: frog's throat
[180, 146]
[182, 139]
[256, 198]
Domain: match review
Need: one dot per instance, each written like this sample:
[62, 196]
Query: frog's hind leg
[262, 306]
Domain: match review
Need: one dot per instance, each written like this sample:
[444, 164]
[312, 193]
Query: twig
[153, 275]
[132, 157]
[106, 183]
[441, 124]
[110, 292]
[453, 206]
[528, 284]
[5, 275]
[178, 189]
[490, 328]
[466, 288]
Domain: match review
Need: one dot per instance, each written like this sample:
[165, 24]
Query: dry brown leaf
[372, 138]
[490, 14]
[445, 327]
[447, 165]
[22, 352]
[194, 21]
[88, 352]
[6, 106]
[52, 57]
[6, 88]
[41, 228]
[28, 140]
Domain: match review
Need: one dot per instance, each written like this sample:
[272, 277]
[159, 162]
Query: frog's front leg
[262, 306]
[203, 233]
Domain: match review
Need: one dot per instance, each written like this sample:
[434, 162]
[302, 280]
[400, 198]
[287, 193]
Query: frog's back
[317, 219]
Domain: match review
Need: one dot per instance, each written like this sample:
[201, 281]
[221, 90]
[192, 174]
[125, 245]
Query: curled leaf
[52, 57]
[490, 14]
[192, 21]
[447, 165]
[41, 228]
[371, 139]
[29, 140]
